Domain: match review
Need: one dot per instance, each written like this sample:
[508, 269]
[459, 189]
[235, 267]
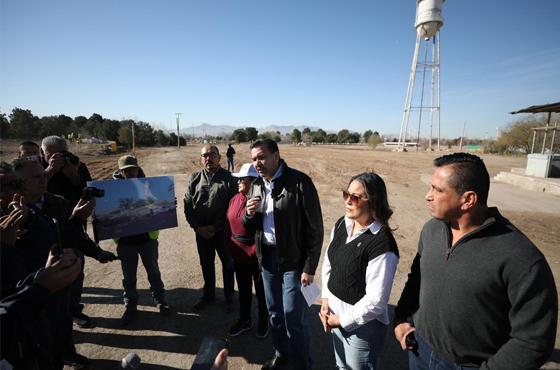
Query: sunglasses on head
[16, 184]
[354, 198]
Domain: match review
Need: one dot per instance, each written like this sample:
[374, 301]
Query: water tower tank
[428, 17]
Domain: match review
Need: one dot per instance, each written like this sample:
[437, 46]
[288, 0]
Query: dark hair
[376, 192]
[469, 173]
[270, 144]
[29, 143]
[20, 163]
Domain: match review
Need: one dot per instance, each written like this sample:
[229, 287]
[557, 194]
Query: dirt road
[166, 343]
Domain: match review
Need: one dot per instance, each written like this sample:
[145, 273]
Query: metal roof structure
[546, 108]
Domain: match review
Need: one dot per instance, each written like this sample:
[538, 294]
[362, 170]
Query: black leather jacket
[297, 218]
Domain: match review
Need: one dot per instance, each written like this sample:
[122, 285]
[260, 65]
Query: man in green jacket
[206, 203]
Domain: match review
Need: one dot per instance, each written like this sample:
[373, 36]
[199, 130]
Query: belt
[244, 238]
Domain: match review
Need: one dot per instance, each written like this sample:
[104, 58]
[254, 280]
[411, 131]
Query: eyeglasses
[246, 178]
[354, 198]
[16, 184]
[209, 155]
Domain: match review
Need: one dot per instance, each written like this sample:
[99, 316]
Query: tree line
[23, 124]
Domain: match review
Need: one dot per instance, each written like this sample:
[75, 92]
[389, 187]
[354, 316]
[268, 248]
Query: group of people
[480, 295]
[44, 213]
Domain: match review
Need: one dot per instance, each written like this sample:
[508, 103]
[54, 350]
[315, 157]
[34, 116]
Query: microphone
[130, 362]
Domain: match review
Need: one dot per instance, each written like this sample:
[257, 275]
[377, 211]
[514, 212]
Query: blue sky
[324, 63]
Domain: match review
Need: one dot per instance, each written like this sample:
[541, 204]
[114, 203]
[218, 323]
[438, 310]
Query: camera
[92, 192]
[71, 157]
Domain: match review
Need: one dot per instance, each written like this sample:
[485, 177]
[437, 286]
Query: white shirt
[379, 281]
[269, 229]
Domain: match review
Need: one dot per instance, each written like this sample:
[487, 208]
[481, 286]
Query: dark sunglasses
[16, 184]
[354, 198]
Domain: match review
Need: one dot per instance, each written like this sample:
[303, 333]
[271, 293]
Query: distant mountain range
[206, 129]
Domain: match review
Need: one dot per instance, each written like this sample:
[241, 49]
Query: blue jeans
[359, 349]
[431, 360]
[288, 311]
[230, 162]
[148, 251]
[207, 249]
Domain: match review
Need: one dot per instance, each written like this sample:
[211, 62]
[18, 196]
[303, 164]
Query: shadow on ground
[183, 331]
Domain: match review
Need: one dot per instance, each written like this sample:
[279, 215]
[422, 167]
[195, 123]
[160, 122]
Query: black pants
[245, 275]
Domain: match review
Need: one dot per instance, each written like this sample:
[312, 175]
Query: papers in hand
[310, 292]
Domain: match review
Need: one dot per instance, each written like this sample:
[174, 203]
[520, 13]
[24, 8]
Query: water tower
[427, 25]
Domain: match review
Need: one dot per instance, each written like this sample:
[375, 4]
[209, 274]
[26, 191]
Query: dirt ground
[166, 343]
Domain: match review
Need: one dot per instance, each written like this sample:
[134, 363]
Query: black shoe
[275, 363]
[76, 361]
[163, 309]
[229, 305]
[203, 301]
[81, 319]
[262, 330]
[128, 316]
[240, 327]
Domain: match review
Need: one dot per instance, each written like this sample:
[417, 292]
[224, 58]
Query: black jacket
[297, 218]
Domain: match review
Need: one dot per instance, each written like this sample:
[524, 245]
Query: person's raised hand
[84, 209]
[9, 226]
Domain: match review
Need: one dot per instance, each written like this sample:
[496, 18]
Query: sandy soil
[166, 343]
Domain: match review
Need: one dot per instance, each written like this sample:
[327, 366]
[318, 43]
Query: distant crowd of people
[480, 295]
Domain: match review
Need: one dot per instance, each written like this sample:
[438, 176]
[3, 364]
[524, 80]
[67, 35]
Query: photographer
[130, 247]
[66, 174]
[67, 177]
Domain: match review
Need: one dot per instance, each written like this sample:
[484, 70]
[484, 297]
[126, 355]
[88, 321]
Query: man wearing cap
[206, 202]
[240, 244]
[130, 247]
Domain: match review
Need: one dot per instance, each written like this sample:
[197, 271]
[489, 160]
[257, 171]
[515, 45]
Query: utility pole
[178, 133]
[461, 142]
[133, 139]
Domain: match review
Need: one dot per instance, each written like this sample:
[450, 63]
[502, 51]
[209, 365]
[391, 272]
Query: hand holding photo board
[135, 206]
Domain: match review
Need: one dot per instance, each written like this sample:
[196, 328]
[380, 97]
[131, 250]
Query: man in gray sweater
[481, 294]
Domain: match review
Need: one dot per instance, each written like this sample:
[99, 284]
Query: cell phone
[58, 236]
[209, 349]
[259, 210]
[410, 340]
